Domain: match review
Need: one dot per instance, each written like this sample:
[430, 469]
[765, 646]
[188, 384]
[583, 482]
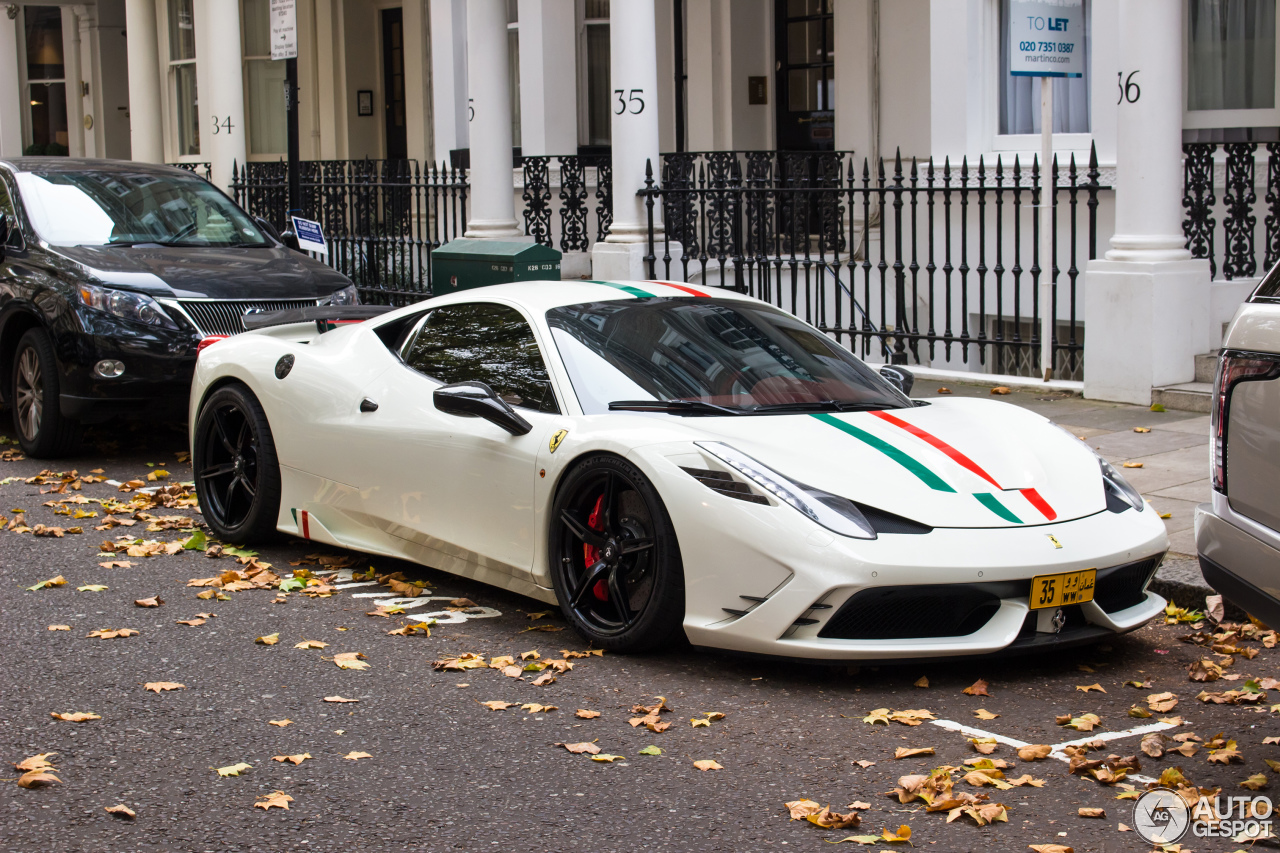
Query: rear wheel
[43, 431]
[237, 473]
[615, 560]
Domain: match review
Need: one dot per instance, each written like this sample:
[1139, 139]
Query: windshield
[740, 356]
[122, 208]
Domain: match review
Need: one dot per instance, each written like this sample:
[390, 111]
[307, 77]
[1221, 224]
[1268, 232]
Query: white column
[548, 78]
[449, 76]
[493, 213]
[1147, 302]
[146, 135]
[633, 61]
[74, 87]
[10, 90]
[220, 84]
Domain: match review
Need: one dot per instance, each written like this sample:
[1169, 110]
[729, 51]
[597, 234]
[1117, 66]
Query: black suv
[111, 274]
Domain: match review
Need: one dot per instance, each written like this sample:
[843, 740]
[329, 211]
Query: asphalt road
[447, 773]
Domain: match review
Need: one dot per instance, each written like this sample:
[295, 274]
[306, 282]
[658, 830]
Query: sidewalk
[1174, 475]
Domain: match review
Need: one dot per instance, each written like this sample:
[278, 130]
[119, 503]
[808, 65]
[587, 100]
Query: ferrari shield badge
[557, 438]
[1054, 540]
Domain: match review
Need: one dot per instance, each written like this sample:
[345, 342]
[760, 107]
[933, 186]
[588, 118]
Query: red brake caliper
[590, 553]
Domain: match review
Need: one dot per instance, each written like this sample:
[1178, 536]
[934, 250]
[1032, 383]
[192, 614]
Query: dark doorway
[393, 83]
[805, 45]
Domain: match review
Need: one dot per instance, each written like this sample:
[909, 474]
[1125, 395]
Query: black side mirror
[898, 377]
[478, 400]
[268, 228]
[290, 240]
[4, 233]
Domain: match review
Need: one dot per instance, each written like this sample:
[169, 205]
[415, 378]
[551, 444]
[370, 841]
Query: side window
[482, 341]
[6, 207]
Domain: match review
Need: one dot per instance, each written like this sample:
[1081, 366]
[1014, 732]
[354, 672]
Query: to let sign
[284, 29]
[1046, 38]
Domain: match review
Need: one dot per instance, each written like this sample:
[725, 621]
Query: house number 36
[1129, 90]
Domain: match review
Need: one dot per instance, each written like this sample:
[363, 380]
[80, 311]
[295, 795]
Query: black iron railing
[382, 218]
[579, 177]
[1239, 174]
[909, 261]
[204, 170]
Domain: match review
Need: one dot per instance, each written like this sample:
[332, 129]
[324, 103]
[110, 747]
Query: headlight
[837, 514]
[137, 307]
[346, 296]
[1117, 485]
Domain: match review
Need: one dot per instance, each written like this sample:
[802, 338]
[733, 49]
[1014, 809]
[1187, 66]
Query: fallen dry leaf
[708, 764]
[120, 810]
[580, 748]
[535, 708]
[1133, 465]
[294, 759]
[75, 716]
[36, 762]
[1051, 848]
[268, 640]
[905, 752]
[827, 819]
[280, 723]
[460, 663]
[276, 799]
[1256, 782]
[1087, 687]
[604, 756]
[233, 769]
[1162, 702]
[1000, 390]
[1035, 752]
[356, 756]
[922, 681]
[55, 581]
[311, 644]
[1091, 812]
[544, 679]
[498, 706]
[585, 714]
[339, 699]
[350, 660]
[192, 622]
[979, 687]
[153, 601]
[801, 809]
[111, 634]
[984, 714]
[59, 628]
[158, 686]
[37, 779]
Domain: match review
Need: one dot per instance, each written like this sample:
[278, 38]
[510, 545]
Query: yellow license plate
[1065, 588]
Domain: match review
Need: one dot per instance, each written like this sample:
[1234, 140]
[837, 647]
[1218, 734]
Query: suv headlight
[837, 514]
[125, 304]
[345, 296]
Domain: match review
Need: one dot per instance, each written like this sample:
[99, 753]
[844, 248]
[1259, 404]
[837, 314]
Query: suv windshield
[739, 356]
[122, 208]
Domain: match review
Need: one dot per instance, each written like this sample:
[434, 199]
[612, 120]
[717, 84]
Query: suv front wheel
[43, 431]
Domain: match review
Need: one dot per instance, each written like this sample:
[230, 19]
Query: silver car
[1238, 531]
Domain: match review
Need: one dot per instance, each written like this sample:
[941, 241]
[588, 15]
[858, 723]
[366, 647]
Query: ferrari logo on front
[557, 438]
[1054, 540]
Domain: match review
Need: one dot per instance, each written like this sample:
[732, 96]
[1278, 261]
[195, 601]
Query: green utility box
[464, 264]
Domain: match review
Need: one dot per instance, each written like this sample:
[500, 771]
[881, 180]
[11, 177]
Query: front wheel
[236, 470]
[43, 431]
[615, 560]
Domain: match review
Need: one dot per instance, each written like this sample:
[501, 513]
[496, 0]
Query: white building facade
[627, 83]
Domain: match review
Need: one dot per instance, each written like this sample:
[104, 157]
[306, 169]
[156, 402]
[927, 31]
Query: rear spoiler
[326, 317]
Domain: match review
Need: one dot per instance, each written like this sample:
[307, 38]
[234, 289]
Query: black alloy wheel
[237, 473]
[43, 431]
[615, 559]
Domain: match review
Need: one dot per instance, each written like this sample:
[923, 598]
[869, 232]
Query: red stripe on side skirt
[306, 524]
[688, 290]
[1033, 497]
[955, 455]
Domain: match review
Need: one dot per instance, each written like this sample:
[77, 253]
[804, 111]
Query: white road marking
[146, 490]
[343, 580]
[1057, 748]
[352, 585]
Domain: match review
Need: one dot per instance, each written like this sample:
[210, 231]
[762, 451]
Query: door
[393, 83]
[805, 47]
[462, 485]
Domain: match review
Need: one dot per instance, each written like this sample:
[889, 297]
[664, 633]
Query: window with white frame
[596, 117]
[263, 82]
[46, 84]
[1019, 97]
[1231, 69]
[182, 76]
[513, 67]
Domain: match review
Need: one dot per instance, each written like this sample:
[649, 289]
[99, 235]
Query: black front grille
[1124, 586]
[218, 317]
[901, 612]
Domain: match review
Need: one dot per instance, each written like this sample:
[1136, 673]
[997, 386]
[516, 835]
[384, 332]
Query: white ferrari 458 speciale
[658, 458]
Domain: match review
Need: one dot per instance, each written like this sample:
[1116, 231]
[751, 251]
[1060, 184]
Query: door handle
[367, 405]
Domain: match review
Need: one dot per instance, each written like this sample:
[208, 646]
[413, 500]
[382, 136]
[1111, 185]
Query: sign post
[284, 45]
[1046, 40]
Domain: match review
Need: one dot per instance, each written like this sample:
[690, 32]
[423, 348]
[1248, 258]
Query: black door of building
[805, 47]
[393, 83]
